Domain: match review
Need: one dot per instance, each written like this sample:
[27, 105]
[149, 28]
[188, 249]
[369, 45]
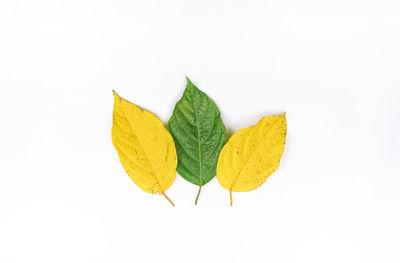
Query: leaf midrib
[145, 154]
[198, 140]
[255, 149]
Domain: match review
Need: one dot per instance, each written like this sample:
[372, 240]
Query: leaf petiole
[167, 198]
[197, 198]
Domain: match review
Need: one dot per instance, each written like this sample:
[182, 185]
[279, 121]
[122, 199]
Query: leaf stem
[197, 198]
[230, 194]
[167, 198]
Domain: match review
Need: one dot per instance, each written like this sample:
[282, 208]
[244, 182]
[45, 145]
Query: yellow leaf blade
[252, 154]
[145, 148]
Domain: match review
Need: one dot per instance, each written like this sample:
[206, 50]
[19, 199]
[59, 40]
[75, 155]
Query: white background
[332, 66]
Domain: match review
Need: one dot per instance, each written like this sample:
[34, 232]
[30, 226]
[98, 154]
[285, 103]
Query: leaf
[199, 135]
[252, 154]
[145, 147]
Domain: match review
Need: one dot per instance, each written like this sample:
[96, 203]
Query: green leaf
[199, 134]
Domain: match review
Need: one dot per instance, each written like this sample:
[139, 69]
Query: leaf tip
[190, 86]
[189, 83]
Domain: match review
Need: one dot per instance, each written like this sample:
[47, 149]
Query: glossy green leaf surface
[199, 135]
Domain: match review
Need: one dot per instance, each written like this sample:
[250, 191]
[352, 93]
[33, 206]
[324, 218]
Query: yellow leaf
[145, 148]
[251, 155]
